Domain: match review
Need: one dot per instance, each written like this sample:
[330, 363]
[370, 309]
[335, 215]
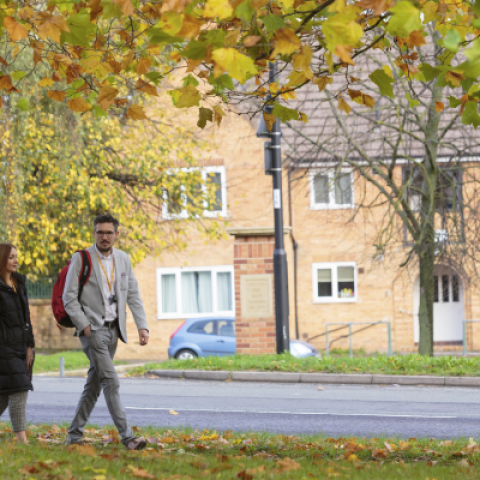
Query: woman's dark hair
[106, 218]
[5, 250]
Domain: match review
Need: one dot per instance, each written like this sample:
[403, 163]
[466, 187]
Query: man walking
[100, 319]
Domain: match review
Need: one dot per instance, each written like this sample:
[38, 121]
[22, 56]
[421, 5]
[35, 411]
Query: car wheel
[186, 355]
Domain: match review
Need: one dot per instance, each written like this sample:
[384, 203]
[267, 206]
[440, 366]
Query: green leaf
[285, 114]
[428, 71]
[454, 103]
[18, 75]
[111, 10]
[158, 37]
[80, 29]
[411, 102]
[245, 11]
[452, 40]
[383, 82]
[273, 23]
[470, 115]
[405, 19]
[154, 77]
[79, 82]
[195, 50]
[99, 112]
[223, 80]
[185, 97]
[204, 115]
[22, 104]
[190, 80]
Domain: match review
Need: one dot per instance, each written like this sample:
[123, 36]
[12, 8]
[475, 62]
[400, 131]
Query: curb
[332, 378]
[74, 373]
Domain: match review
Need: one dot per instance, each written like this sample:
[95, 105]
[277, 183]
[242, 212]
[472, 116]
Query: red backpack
[59, 312]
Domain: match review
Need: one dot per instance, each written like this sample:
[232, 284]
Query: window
[213, 184]
[334, 282]
[226, 328]
[203, 328]
[195, 292]
[448, 286]
[331, 189]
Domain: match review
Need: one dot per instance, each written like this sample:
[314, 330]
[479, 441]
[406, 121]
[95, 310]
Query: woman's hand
[29, 356]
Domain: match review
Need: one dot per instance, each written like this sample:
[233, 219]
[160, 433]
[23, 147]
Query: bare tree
[431, 207]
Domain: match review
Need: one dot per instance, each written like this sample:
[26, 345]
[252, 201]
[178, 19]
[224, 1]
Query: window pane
[324, 282]
[169, 294]
[320, 188]
[445, 289]
[224, 292]
[204, 328]
[174, 201]
[226, 328]
[343, 190]
[435, 289]
[455, 289]
[346, 282]
[195, 197]
[215, 192]
[196, 292]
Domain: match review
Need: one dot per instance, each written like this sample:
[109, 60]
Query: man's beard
[105, 250]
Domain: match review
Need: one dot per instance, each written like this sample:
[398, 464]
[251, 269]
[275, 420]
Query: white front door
[448, 307]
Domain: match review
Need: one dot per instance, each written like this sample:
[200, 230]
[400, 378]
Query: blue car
[205, 337]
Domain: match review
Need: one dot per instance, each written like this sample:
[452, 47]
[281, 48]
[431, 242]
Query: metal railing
[464, 335]
[350, 325]
[41, 288]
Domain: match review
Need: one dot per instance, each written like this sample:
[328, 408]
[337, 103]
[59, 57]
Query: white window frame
[333, 266]
[207, 213]
[177, 271]
[330, 172]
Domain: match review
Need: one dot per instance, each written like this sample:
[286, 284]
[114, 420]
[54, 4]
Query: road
[336, 410]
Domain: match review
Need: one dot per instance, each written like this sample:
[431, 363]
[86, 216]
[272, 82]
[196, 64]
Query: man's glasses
[105, 234]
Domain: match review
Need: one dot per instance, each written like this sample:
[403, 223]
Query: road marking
[388, 415]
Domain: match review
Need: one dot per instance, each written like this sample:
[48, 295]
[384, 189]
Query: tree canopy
[94, 54]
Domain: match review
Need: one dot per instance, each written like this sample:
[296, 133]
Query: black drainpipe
[295, 247]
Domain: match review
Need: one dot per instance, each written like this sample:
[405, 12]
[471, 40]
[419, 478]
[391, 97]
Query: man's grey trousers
[100, 349]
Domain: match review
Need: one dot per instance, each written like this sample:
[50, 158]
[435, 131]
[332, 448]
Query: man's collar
[101, 254]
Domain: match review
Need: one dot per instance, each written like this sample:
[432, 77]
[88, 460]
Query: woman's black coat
[15, 336]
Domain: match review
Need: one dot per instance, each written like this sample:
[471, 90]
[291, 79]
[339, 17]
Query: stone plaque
[256, 295]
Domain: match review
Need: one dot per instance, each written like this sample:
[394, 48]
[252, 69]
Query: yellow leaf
[270, 120]
[302, 61]
[191, 27]
[287, 4]
[343, 105]
[218, 114]
[439, 106]
[56, 95]
[135, 112]
[344, 51]
[126, 6]
[173, 412]
[230, 60]
[322, 82]
[286, 42]
[296, 78]
[143, 66]
[454, 78]
[361, 98]
[15, 29]
[106, 95]
[218, 8]
[146, 87]
[273, 87]
[128, 60]
[79, 105]
[287, 93]
[188, 96]
[46, 82]
[251, 40]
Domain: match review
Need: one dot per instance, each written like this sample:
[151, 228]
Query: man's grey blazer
[91, 309]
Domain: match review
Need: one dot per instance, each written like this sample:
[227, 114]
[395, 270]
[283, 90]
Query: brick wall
[253, 255]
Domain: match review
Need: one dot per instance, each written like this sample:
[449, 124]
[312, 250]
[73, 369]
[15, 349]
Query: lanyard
[110, 289]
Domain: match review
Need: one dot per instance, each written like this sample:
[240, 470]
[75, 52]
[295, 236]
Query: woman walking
[16, 341]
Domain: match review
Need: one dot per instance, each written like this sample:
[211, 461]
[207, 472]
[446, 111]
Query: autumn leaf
[53, 27]
[56, 95]
[405, 19]
[15, 29]
[139, 472]
[343, 52]
[270, 120]
[286, 42]
[173, 412]
[218, 8]
[5, 82]
[361, 98]
[143, 66]
[454, 78]
[204, 115]
[238, 65]
[322, 82]
[302, 61]
[343, 105]
[126, 6]
[191, 26]
[79, 105]
[46, 82]
[378, 6]
[185, 97]
[106, 96]
[146, 87]
[439, 107]
[251, 40]
[218, 114]
[135, 112]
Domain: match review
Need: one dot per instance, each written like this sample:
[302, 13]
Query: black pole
[279, 255]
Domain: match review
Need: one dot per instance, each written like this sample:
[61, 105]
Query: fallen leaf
[173, 412]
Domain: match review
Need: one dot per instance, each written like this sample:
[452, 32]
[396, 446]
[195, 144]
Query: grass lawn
[187, 454]
[394, 365]
[74, 360]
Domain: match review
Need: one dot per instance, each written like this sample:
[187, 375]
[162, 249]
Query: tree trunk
[425, 313]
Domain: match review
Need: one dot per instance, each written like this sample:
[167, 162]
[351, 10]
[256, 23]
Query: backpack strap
[85, 271]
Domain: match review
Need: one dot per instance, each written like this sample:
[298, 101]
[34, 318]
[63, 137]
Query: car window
[206, 327]
[226, 328]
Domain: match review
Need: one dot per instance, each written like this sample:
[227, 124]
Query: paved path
[439, 412]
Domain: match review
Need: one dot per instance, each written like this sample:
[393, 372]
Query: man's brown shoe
[137, 444]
